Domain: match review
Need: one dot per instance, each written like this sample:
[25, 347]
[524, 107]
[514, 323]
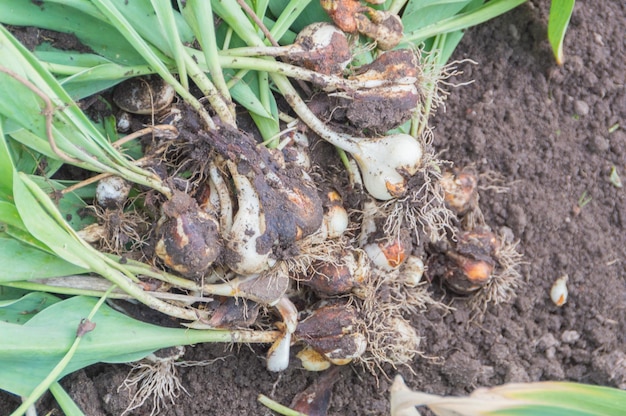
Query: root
[156, 379]
[311, 249]
[126, 232]
[390, 338]
[423, 208]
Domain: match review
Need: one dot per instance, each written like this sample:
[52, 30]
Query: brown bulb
[348, 272]
[188, 239]
[334, 330]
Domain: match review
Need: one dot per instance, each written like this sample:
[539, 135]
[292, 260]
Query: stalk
[117, 20]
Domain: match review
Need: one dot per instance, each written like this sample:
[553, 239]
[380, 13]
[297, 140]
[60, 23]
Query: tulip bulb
[278, 355]
[336, 220]
[242, 255]
[325, 48]
[558, 292]
[383, 161]
[413, 271]
[112, 192]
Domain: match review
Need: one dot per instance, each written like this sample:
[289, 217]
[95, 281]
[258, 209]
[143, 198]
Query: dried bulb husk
[93, 233]
[312, 360]
[325, 48]
[384, 27]
[229, 312]
[188, 239]
[460, 190]
[335, 331]
[266, 288]
[144, 95]
[112, 192]
[315, 399]
[383, 108]
[399, 66]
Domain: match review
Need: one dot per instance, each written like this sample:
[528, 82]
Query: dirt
[546, 130]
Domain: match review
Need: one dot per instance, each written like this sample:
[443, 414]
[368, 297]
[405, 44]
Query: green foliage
[560, 14]
[38, 329]
[523, 399]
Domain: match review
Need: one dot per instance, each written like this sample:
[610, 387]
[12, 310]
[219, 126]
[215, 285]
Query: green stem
[342, 141]
[114, 71]
[224, 111]
[197, 11]
[277, 407]
[165, 15]
[396, 6]
[117, 20]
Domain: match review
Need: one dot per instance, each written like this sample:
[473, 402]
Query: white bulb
[413, 271]
[278, 355]
[381, 160]
[248, 226]
[558, 293]
[112, 192]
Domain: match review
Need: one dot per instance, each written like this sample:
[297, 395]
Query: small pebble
[569, 337]
[581, 108]
[599, 144]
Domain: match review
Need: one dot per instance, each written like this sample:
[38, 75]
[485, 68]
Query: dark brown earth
[545, 129]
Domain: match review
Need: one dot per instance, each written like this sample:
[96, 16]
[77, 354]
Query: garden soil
[554, 134]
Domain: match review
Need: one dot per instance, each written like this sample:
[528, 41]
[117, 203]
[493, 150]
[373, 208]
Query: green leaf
[560, 14]
[70, 204]
[519, 399]
[9, 215]
[462, 21]
[6, 164]
[22, 261]
[21, 310]
[40, 343]
[67, 405]
[422, 13]
[63, 18]
[39, 223]
[311, 12]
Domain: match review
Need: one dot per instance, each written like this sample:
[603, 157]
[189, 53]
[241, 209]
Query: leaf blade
[558, 20]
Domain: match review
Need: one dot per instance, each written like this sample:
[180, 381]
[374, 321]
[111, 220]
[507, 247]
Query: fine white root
[423, 208]
[155, 379]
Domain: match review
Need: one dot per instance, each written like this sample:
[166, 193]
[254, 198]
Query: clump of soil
[545, 129]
